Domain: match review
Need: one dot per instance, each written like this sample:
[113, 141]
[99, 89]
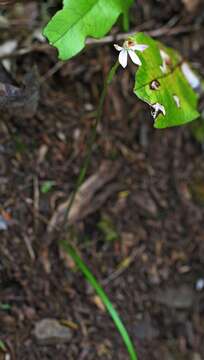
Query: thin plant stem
[85, 165]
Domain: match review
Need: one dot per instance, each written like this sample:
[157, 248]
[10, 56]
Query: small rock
[179, 298]
[196, 356]
[50, 331]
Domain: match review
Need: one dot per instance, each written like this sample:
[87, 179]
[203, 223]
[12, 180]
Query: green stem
[101, 293]
[84, 168]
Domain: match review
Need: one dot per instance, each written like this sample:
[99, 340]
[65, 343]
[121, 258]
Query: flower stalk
[84, 168]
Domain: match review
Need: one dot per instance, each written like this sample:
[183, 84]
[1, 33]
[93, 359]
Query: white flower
[177, 100]
[190, 76]
[158, 108]
[129, 48]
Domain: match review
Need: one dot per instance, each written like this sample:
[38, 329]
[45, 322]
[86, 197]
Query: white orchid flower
[158, 108]
[129, 47]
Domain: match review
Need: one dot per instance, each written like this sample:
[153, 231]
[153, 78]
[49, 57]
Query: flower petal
[139, 47]
[135, 59]
[117, 47]
[123, 58]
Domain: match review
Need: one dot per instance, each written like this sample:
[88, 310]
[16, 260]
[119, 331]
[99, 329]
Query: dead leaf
[68, 261]
[89, 198]
[191, 5]
[6, 2]
[98, 302]
[69, 323]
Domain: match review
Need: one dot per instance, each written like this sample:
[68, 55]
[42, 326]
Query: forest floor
[141, 231]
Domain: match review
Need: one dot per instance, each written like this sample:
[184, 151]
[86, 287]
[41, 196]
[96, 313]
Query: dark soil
[153, 267]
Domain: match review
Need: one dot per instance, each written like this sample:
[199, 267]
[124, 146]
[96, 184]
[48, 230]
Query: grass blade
[2, 346]
[101, 293]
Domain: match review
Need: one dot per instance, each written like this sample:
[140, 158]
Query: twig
[58, 65]
[36, 199]
[115, 274]
[29, 247]
[162, 31]
[155, 33]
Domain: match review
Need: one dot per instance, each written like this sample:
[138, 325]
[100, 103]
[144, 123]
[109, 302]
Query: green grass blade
[2, 346]
[99, 290]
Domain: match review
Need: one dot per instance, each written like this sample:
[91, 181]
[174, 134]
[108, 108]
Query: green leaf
[2, 346]
[153, 85]
[47, 186]
[5, 307]
[69, 28]
[101, 293]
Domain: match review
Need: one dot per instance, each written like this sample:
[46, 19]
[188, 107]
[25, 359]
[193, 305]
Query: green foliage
[153, 85]
[70, 27]
[160, 79]
[47, 186]
[5, 307]
[2, 346]
[104, 298]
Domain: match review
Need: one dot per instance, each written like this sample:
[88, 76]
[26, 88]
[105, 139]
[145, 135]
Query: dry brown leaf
[89, 198]
[98, 302]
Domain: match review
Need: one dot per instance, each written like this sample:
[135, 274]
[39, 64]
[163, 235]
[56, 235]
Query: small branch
[155, 33]
[163, 31]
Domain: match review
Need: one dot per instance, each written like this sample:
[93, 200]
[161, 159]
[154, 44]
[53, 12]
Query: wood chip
[191, 5]
[89, 198]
